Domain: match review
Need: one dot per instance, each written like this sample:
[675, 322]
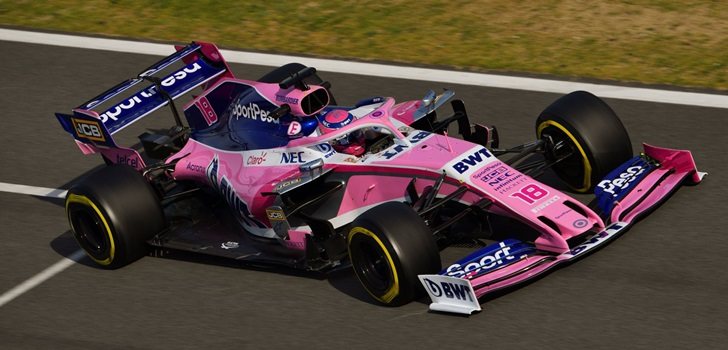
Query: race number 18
[531, 193]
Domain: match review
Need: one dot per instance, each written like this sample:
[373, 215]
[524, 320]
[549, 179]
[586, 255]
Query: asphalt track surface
[661, 285]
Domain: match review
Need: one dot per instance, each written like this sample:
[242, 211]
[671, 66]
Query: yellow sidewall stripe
[83, 200]
[393, 291]
[587, 165]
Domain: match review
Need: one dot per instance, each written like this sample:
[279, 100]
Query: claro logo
[88, 129]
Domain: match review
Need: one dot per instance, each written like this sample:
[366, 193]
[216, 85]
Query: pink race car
[379, 185]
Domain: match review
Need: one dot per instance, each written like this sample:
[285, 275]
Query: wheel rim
[90, 228]
[572, 167]
[575, 170]
[373, 267]
[90, 233]
[373, 264]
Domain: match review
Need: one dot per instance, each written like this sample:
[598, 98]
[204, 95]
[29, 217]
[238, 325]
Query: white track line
[51, 270]
[33, 190]
[381, 70]
[41, 277]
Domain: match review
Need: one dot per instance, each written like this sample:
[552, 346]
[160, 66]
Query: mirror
[429, 98]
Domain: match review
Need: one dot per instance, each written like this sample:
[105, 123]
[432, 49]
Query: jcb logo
[88, 129]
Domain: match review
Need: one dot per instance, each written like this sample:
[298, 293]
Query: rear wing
[93, 126]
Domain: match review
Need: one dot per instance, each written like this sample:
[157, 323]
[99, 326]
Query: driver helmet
[352, 143]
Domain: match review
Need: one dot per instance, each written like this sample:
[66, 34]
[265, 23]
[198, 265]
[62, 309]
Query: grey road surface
[662, 285]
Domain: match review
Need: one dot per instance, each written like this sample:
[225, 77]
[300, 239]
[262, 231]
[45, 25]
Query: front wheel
[389, 245]
[112, 213]
[585, 128]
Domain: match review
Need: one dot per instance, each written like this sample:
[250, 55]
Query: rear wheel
[389, 245]
[585, 126]
[112, 213]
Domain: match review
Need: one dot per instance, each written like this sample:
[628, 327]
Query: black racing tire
[112, 213]
[281, 73]
[594, 133]
[389, 245]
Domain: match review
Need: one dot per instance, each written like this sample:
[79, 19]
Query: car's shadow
[342, 279]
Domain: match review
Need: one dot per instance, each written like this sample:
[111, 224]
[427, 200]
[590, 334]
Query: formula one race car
[378, 185]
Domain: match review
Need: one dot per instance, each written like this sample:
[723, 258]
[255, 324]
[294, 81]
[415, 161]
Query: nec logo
[472, 160]
[449, 290]
[292, 157]
[88, 129]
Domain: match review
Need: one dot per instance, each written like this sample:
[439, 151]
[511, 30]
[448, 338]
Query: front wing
[626, 194]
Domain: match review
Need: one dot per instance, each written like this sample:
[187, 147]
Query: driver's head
[352, 143]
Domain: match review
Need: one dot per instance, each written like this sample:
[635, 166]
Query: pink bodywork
[675, 167]
[417, 154]
[382, 177]
[377, 178]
